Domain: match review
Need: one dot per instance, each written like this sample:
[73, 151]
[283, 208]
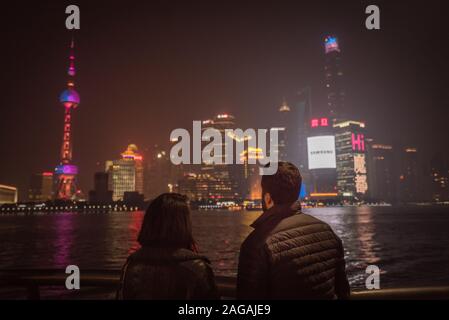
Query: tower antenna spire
[72, 71]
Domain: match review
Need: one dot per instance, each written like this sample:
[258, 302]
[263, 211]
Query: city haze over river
[409, 244]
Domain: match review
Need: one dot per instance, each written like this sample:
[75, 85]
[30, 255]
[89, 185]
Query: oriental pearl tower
[66, 171]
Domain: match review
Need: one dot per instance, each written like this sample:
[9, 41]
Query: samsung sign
[321, 152]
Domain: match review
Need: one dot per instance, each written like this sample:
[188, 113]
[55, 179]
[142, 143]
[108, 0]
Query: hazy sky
[147, 67]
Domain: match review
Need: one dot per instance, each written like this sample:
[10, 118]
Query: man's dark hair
[284, 185]
[167, 223]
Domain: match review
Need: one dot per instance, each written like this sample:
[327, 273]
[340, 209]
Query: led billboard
[321, 152]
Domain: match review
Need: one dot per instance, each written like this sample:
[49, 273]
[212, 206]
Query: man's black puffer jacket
[167, 274]
[291, 255]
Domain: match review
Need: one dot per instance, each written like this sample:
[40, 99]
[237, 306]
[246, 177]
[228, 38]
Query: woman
[167, 266]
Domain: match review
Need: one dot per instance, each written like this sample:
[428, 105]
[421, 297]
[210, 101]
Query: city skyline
[135, 120]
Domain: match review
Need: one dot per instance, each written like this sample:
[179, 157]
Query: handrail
[109, 280]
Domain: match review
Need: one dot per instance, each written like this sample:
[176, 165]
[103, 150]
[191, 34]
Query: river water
[410, 245]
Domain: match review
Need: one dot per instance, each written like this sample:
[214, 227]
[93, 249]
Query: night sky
[148, 67]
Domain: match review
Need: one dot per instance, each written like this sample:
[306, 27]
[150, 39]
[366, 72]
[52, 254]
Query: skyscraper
[204, 187]
[380, 166]
[132, 153]
[122, 177]
[439, 171]
[214, 180]
[101, 192]
[227, 180]
[352, 181]
[126, 174]
[252, 175]
[297, 145]
[66, 171]
[284, 131]
[41, 187]
[409, 175]
[333, 77]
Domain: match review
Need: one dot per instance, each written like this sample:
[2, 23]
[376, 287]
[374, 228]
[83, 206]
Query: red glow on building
[324, 122]
[319, 122]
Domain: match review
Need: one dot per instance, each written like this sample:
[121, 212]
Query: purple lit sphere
[68, 169]
[69, 96]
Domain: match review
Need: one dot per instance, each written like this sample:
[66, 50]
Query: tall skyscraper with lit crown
[333, 77]
[126, 174]
[352, 181]
[284, 131]
[225, 180]
[66, 171]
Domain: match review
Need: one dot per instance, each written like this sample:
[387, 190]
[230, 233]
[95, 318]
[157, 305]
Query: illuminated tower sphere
[66, 171]
[333, 77]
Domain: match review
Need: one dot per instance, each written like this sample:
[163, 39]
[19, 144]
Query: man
[290, 255]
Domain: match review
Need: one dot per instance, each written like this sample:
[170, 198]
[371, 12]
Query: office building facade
[8, 194]
[101, 192]
[126, 174]
[333, 77]
[381, 172]
[41, 187]
[352, 179]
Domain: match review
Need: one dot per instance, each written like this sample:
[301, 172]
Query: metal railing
[107, 281]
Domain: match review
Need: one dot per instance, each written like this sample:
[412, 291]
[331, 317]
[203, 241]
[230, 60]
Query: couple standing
[289, 254]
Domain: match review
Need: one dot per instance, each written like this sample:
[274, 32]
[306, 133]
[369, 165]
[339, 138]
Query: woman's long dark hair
[167, 223]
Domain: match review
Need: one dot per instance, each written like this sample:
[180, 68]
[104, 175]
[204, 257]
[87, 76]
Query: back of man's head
[284, 185]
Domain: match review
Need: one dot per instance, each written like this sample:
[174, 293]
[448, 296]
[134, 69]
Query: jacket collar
[277, 213]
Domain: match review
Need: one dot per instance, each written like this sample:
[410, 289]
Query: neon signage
[324, 122]
[359, 164]
[319, 122]
[331, 44]
[361, 184]
[358, 142]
